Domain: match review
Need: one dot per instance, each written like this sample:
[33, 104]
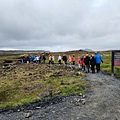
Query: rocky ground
[102, 102]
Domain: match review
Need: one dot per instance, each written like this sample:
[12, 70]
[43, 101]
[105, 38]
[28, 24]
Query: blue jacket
[98, 58]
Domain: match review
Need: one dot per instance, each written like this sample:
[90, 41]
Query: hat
[96, 52]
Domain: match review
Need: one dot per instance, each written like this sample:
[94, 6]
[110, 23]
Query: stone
[83, 101]
[53, 111]
[59, 91]
[77, 118]
[84, 96]
[28, 114]
[77, 100]
[38, 107]
[80, 94]
[18, 110]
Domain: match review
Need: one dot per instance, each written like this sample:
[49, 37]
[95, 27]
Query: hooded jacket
[98, 58]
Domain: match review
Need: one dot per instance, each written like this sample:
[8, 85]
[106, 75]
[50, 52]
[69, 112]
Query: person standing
[59, 59]
[37, 59]
[44, 58]
[79, 62]
[69, 59]
[23, 59]
[98, 59]
[73, 59]
[92, 63]
[87, 63]
[64, 58]
[31, 58]
[49, 59]
[53, 59]
[83, 62]
[27, 59]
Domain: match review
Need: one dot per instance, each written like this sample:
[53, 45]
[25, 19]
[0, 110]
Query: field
[23, 83]
[106, 66]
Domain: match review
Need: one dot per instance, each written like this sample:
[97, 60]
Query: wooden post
[112, 63]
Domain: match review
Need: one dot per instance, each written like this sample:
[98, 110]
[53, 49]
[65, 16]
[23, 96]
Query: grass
[10, 57]
[106, 66]
[27, 83]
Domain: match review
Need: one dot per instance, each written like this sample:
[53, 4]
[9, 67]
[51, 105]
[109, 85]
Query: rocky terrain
[101, 102]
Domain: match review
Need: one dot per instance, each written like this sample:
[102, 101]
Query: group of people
[65, 59]
[85, 62]
[37, 58]
[88, 62]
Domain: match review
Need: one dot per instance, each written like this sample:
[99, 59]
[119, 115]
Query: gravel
[102, 102]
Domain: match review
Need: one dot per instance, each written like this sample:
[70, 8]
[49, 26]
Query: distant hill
[86, 49]
[18, 52]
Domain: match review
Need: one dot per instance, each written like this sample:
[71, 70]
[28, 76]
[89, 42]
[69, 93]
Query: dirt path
[102, 103]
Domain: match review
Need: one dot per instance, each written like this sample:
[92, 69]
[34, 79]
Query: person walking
[73, 59]
[49, 59]
[23, 59]
[79, 62]
[37, 59]
[69, 59]
[64, 58]
[59, 59]
[31, 58]
[27, 59]
[98, 59]
[87, 63]
[83, 62]
[53, 59]
[44, 58]
[92, 63]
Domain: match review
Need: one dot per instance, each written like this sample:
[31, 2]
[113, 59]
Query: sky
[59, 25]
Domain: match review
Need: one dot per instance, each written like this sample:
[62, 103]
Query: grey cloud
[63, 24]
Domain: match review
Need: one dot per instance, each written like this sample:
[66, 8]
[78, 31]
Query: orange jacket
[73, 58]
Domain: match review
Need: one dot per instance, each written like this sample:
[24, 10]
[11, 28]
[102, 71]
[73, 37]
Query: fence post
[112, 63]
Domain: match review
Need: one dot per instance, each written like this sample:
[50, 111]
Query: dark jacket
[64, 58]
[87, 60]
[44, 58]
[92, 61]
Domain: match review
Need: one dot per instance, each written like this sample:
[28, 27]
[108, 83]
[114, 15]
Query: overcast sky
[59, 25]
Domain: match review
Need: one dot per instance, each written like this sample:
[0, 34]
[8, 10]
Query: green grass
[107, 67]
[18, 87]
[10, 57]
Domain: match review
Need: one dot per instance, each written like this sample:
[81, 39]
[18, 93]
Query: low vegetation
[24, 83]
[29, 82]
[107, 64]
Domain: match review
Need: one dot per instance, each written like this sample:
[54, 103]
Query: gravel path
[101, 103]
